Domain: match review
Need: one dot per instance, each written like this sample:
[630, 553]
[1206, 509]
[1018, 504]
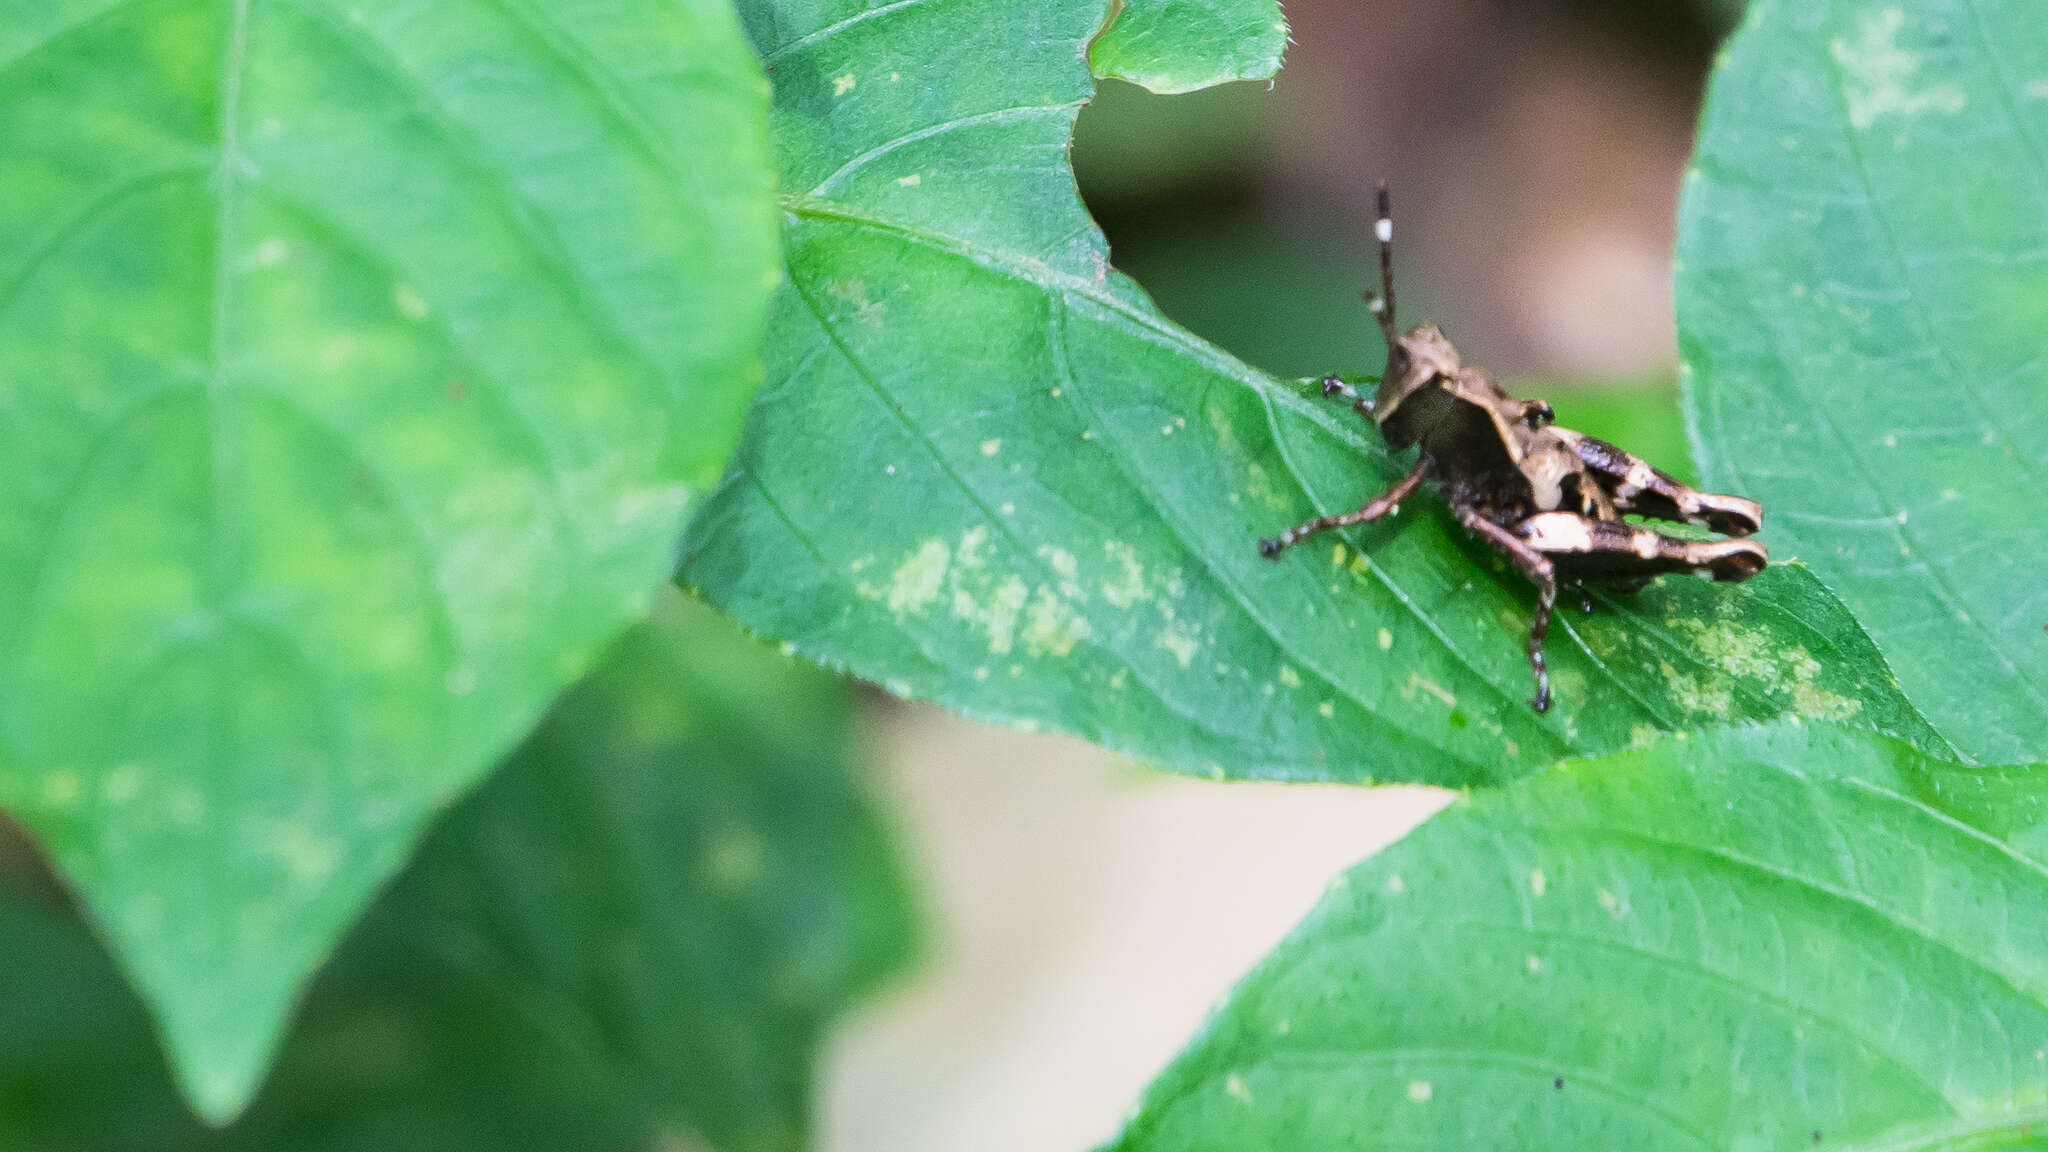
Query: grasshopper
[1550, 500]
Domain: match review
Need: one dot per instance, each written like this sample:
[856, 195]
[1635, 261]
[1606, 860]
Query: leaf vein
[811, 39]
[524, 215]
[1737, 861]
[978, 119]
[52, 241]
[359, 248]
[35, 48]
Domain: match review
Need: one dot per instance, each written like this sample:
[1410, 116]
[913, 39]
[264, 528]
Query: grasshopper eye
[1538, 415]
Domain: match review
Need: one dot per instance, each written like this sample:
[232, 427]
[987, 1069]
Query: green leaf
[1862, 297]
[1692, 945]
[359, 363]
[1182, 45]
[986, 472]
[633, 933]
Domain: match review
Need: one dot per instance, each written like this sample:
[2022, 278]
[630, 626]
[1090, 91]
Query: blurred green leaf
[986, 471]
[1284, 303]
[360, 363]
[633, 933]
[1863, 296]
[1757, 939]
[1131, 146]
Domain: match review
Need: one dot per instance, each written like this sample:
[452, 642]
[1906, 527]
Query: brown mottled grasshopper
[1549, 499]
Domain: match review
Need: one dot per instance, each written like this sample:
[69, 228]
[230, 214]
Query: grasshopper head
[1420, 360]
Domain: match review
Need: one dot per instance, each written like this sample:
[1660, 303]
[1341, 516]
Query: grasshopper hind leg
[1623, 557]
[1541, 572]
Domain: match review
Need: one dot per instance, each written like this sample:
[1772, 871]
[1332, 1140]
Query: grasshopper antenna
[1382, 303]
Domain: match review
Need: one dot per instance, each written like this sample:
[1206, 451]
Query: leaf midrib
[224, 535]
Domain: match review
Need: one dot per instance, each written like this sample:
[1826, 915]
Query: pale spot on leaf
[1126, 583]
[62, 788]
[916, 583]
[122, 784]
[1880, 78]
[1176, 638]
[410, 302]
[1051, 626]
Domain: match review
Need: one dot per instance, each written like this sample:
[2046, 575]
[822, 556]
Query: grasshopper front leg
[1386, 502]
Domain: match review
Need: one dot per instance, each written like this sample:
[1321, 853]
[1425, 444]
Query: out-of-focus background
[1082, 912]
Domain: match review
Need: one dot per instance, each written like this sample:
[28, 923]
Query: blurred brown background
[1535, 151]
[1084, 913]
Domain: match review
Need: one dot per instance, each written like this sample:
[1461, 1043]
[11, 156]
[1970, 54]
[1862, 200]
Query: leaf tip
[218, 1075]
[220, 1025]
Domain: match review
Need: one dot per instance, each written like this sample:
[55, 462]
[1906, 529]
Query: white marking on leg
[1384, 229]
[1557, 532]
[1546, 474]
[1639, 477]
